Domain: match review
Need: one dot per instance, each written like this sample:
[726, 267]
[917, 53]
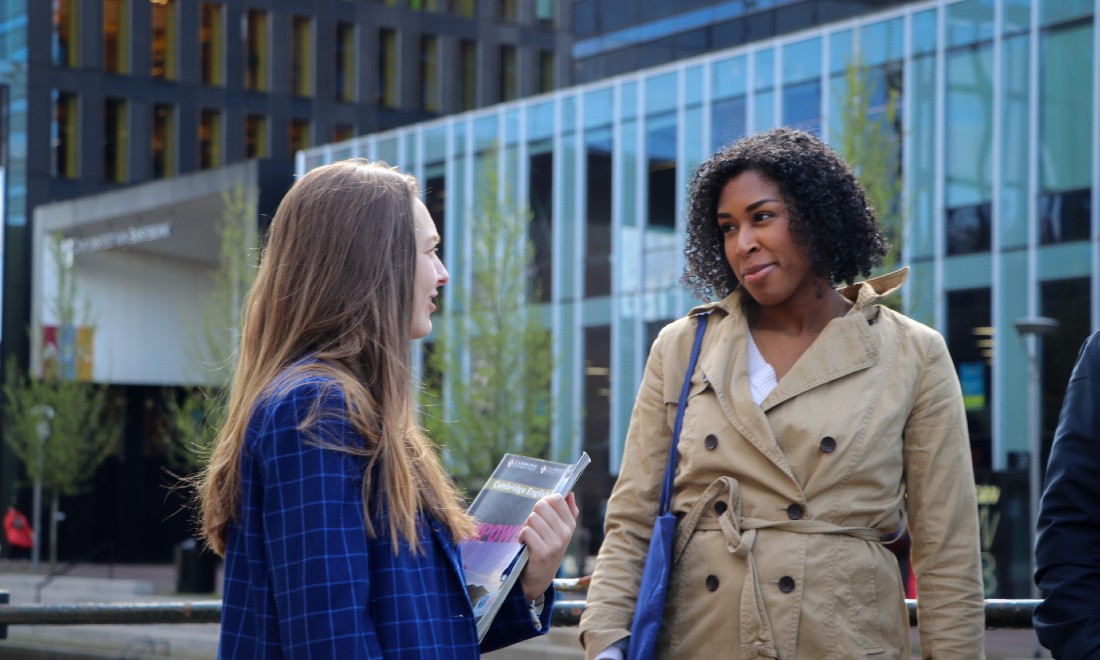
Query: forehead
[422, 221]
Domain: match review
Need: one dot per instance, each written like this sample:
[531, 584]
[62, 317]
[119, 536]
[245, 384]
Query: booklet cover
[494, 559]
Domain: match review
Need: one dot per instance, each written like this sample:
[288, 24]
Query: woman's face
[759, 246]
[430, 273]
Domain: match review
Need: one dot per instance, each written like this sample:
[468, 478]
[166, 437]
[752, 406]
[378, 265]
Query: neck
[799, 317]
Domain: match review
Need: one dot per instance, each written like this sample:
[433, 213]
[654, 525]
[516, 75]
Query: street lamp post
[1032, 329]
[45, 414]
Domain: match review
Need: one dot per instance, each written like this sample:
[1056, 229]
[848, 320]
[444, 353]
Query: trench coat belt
[757, 640]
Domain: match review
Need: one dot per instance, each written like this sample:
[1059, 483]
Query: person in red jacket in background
[18, 532]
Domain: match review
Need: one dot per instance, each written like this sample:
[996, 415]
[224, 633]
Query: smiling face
[760, 248]
[430, 273]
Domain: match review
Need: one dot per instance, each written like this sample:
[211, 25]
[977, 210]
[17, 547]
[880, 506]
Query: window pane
[299, 136]
[163, 140]
[661, 245]
[210, 139]
[429, 73]
[255, 136]
[467, 53]
[387, 68]
[541, 187]
[66, 46]
[163, 17]
[1065, 216]
[301, 64]
[546, 71]
[114, 140]
[968, 229]
[255, 73]
[345, 62]
[115, 36]
[1065, 109]
[63, 135]
[727, 121]
[969, 143]
[210, 43]
[597, 272]
[508, 89]
[969, 315]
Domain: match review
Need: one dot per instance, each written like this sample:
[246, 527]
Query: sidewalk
[149, 583]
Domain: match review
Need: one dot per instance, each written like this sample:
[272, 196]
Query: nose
[746, 240]
[441, 274]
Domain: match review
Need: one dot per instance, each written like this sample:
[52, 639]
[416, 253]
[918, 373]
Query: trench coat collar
[845, 346]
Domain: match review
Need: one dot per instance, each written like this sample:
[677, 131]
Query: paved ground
[147, 583]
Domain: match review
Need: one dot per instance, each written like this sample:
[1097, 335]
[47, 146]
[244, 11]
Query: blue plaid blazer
[303, 579]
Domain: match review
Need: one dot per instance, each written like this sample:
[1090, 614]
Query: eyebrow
[751, 207]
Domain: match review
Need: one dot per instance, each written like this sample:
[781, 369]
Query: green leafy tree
[195, 418]
[61, 428]
[488, 389]
[870, 140]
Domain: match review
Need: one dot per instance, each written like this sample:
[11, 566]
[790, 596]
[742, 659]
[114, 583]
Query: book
[494, 558]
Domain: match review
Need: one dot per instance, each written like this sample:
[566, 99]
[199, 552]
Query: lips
[754, 274]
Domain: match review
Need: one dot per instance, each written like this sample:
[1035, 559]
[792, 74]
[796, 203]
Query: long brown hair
[333, 297]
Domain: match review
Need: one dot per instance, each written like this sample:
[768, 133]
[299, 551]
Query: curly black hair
[827, 207]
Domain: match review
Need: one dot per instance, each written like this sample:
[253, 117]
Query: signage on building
[133, 235]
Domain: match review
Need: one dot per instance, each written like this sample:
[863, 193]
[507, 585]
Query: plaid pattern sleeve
[302, 577]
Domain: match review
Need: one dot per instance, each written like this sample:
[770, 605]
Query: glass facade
[996, 147]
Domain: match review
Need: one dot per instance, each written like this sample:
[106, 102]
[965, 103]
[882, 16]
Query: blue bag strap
[673, 452]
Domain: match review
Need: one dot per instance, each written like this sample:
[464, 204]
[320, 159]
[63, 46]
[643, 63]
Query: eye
[727, 228]
[762, 216]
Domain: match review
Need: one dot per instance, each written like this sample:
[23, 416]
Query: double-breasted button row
[786, 584]
[710, 442]
[828, 444]
[712, 583]
[795, 511]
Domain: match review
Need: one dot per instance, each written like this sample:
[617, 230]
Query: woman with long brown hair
[338, 523]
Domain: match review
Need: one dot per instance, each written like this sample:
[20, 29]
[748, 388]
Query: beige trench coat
[783, 505]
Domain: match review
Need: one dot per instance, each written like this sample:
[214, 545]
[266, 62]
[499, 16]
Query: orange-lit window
[301, 56]
[546, 71]
[210, 42]
[345, 62]
[467, 74]
[255, 136]
[210, 139]
[464, 8]
[163, 18]
[116, 36]
[63, 136]
[255, 71]
[115, 140]
[66, 29]
[387, 68]
[299, 135]
[164, 140]
[429, 73]
[508, 89]
[341, 132]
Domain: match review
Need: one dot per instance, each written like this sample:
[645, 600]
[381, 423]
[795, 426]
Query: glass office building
[1000, 144]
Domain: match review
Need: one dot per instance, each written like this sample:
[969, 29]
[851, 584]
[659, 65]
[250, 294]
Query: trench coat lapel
[724, 366]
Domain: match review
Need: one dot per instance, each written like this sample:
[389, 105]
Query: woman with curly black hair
[818, 425]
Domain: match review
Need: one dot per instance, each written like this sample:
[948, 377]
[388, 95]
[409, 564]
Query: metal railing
[1000, 614]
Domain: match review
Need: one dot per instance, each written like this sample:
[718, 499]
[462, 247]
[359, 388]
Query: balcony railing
[1000, 614]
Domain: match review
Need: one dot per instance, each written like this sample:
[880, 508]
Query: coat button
[720, 507]
[712, 583]
[795, 511]
[786, 584]
[828, 444]
[711, 442]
